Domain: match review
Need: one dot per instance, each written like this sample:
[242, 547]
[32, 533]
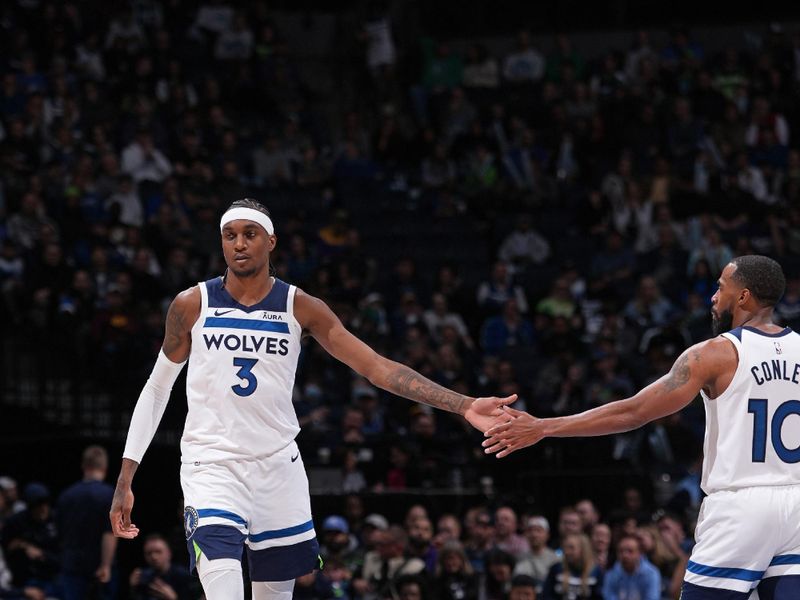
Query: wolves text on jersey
[247, 343]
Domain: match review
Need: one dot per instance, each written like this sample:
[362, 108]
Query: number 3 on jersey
[758, 407]
[245, 373]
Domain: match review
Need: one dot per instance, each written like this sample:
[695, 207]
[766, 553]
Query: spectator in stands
[143, 161]
[505, 532]
[420, 542]
[499, 569]
[385, 565]
[524, 245]
[481, 72]
[160, 578]
[525, 65]
[569, 522]
[448, 529]
[507, 331]
[30, 542]
[523, 587]
[588, 513]
[600, 537]
[537, 562]
[670, 562]
[577, 575]
[454, 576]
[480, 537]
[88, 546]
[632, 576]
[438, 316]
[10, 492]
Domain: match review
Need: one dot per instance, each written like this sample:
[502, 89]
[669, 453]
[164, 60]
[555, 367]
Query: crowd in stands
[487, 553]
[607, 193]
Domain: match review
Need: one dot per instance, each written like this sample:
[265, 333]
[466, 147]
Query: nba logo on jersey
[778, 349]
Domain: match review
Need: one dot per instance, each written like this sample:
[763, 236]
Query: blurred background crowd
[544, 215]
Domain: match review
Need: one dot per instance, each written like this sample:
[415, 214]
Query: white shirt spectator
[125, 28]
[90, 61]
[131, 211]
[485, 74]
[144, 162]
[215, 17]
[751, 180]
[524, 66]
[524, 245]
[235, 43]
[380, 46]
[272, 165]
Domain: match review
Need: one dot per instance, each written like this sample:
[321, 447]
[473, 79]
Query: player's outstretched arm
[152, 401]
[698, 367]
[313, 314]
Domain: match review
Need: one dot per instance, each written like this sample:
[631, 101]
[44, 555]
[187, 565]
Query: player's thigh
[281, 543]
[281, 499]
[736, 540]
[782, 578]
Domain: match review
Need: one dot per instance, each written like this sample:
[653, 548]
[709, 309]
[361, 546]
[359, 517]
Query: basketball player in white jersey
[243, 480]
[748, 531]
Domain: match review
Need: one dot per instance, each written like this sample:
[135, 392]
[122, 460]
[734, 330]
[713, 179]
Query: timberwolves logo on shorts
[190, 520]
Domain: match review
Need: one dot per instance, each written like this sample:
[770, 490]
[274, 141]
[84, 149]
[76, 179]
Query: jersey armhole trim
[290, 296]
[737, 347]
[201, 318]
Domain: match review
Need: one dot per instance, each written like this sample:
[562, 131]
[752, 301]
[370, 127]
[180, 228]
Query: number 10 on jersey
[758, 408]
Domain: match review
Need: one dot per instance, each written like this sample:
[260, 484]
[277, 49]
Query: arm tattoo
[407, 383]
[175, 329]
[681, 371]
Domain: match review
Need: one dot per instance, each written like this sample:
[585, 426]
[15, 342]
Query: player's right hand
[517, 431]
[121, 507]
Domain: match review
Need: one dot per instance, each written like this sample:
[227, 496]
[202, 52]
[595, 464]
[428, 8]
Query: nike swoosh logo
[217, 312]
[295, 457]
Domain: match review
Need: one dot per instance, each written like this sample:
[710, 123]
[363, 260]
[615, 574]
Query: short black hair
[762, 276]
[249, 203]
[523, 581]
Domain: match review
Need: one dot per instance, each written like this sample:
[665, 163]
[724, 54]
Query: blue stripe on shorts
[274, 534]
[726, 572]
[222, 514]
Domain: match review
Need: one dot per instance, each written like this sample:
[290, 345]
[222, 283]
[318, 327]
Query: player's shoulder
[186, 304]
[188, 298]
[717, 351]
[308, 309]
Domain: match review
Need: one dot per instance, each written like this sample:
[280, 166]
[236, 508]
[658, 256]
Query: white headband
[250, 214]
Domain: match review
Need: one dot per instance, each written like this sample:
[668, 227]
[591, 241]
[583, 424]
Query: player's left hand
[484, 412]
[517, 431]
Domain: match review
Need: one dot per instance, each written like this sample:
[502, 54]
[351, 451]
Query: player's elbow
[378, 372]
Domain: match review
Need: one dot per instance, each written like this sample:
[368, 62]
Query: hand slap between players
[483, 413]
[512, 431]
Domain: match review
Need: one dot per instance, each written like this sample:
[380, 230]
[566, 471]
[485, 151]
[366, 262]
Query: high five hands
[512, 430]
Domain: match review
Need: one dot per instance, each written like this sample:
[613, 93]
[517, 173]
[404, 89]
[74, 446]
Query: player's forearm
[615, 417]
[406, 382]
[126, 472]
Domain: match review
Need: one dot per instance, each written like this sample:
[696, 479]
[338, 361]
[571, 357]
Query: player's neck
[248, 290]
[760, 318]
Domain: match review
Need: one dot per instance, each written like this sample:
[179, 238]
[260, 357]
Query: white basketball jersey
[241, 374]
[753, 427]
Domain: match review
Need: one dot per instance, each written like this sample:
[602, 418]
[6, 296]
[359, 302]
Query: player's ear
[272, 242]
[744, 296]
